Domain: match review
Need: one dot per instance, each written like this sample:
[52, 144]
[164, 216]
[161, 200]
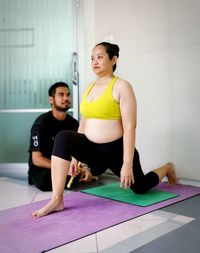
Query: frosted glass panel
[35, 50]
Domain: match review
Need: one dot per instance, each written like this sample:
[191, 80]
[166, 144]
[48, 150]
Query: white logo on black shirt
[35, 141]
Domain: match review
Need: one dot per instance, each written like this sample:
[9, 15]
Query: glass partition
[36, 48]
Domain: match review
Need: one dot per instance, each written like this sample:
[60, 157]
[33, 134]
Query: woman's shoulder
[122, 83]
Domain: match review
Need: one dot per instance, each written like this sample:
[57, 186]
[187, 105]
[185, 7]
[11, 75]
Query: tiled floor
[126, 237]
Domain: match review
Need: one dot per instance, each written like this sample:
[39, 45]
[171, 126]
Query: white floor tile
[42, 196]
[151, 234]
[123, 231]
[46, 195]
[85, 245]
[15, 193]
[183, 219]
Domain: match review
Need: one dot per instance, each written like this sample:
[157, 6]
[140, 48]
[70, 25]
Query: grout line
[96, 242]
[34, 197]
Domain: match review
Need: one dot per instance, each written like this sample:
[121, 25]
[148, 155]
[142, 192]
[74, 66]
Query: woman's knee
[145, 183]
[140, 188]
[64, 136]
[62, 144]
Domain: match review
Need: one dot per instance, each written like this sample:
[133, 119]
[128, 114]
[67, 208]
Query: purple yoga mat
[84, 215]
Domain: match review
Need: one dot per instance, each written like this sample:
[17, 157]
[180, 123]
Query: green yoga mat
[114, 192]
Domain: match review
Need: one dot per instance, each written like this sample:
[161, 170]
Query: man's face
[61, 101]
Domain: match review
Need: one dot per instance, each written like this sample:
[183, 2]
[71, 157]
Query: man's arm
[40, 161]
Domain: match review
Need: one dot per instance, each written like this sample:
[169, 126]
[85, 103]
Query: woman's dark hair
[52, 89]
[111, 50]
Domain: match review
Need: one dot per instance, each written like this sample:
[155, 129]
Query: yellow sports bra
[104, 107]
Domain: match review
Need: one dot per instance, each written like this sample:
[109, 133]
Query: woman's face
[101, 64]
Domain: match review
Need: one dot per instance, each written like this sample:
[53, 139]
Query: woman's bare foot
[167, 171]
[52, 206]
[171, 174]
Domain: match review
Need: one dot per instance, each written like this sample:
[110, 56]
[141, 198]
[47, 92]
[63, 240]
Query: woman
[106, 135]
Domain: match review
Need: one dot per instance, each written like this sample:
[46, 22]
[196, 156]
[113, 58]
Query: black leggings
[100, 157]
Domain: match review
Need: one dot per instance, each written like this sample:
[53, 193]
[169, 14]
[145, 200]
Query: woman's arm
[81, 125]
[128, 109]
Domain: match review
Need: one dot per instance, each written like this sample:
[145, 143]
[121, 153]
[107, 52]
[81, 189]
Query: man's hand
[86, 175]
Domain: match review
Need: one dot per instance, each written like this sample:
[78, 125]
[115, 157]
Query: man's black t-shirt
[43, 133]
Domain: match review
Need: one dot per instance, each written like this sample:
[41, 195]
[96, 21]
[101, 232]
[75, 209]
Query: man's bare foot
[171, 174]
[52, 206]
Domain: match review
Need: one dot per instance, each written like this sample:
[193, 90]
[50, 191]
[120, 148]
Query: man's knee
[43, 183]
[44, 187]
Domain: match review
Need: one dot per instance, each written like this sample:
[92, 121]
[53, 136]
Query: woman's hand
[126, 176]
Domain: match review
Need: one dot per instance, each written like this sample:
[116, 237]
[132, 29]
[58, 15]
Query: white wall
[160, 55]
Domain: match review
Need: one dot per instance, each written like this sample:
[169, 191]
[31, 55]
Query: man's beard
[61, 109]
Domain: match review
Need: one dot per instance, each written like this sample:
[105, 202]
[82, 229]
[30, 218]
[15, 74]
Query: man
[43, 133]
